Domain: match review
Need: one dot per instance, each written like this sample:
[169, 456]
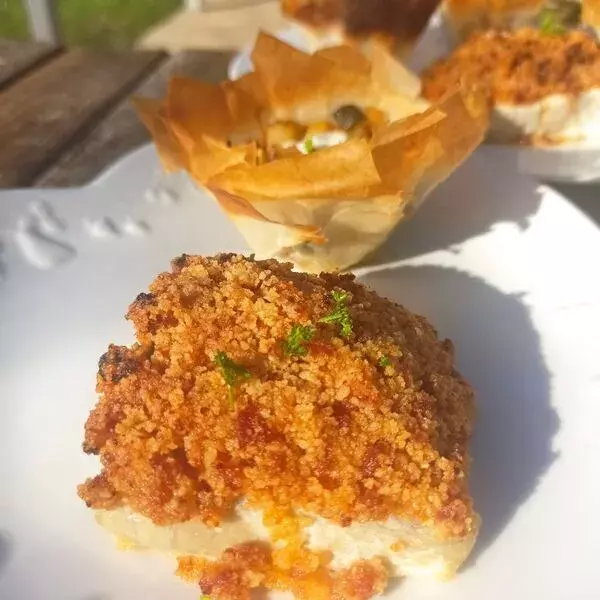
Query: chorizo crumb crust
[249, 566]
[361, 428]
[519, 67]
[399, 20]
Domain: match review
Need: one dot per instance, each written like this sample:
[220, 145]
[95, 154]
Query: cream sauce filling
[318, 141]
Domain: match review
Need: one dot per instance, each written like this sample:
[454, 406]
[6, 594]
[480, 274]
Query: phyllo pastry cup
[315, 158]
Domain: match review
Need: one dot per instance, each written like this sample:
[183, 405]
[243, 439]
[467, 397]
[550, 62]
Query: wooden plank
[43, 20]
[16, 58]
[46, 112]
[122, 131]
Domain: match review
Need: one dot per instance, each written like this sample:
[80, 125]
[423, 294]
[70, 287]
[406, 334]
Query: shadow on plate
[498, 351]
[584, 196]
[479, 195]
[6, 549]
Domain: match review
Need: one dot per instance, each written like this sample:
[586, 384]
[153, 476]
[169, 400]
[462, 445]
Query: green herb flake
[299, 335]
[309, 146]
[340, 315]
[385, 361]
[232, 373]
[550, 22]
[204, 597]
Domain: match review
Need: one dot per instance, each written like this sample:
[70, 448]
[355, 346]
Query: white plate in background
[571, 163]
[503, 266]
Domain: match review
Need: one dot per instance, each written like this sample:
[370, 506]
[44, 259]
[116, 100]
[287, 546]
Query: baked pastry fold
[327, 209]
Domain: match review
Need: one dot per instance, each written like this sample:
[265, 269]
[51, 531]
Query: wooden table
[65, 115]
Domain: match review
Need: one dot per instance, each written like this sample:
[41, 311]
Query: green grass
[93, 23]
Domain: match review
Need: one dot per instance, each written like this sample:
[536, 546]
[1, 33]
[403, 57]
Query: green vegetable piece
[232, 373]
[385, 361]
[340, 315]
[299, 335]
[551, 23]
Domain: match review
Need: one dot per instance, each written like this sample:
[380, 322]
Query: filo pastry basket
[327, 209]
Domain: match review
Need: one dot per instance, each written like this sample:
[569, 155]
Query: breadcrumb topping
[333, 432]
[519, 67]
[248, 566]
[404, 19]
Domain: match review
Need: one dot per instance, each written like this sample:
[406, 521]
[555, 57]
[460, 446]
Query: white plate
[506, 268]
[562, 164]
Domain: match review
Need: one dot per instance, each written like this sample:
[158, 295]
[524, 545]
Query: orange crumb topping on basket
[518, 67]
[330, 432]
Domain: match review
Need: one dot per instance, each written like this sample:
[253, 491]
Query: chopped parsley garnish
[232, 373]
[385, 361]
[340, 315]
[309, 146]
[299, 335]
[551, 22]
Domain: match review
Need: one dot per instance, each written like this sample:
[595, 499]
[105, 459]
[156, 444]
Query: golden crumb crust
[316, 13]
[402, 19]
[252, 565]
[519, 67]
[358, 428]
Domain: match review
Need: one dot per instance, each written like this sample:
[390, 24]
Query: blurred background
[121, 24]
[65, 101]
[93, 23]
